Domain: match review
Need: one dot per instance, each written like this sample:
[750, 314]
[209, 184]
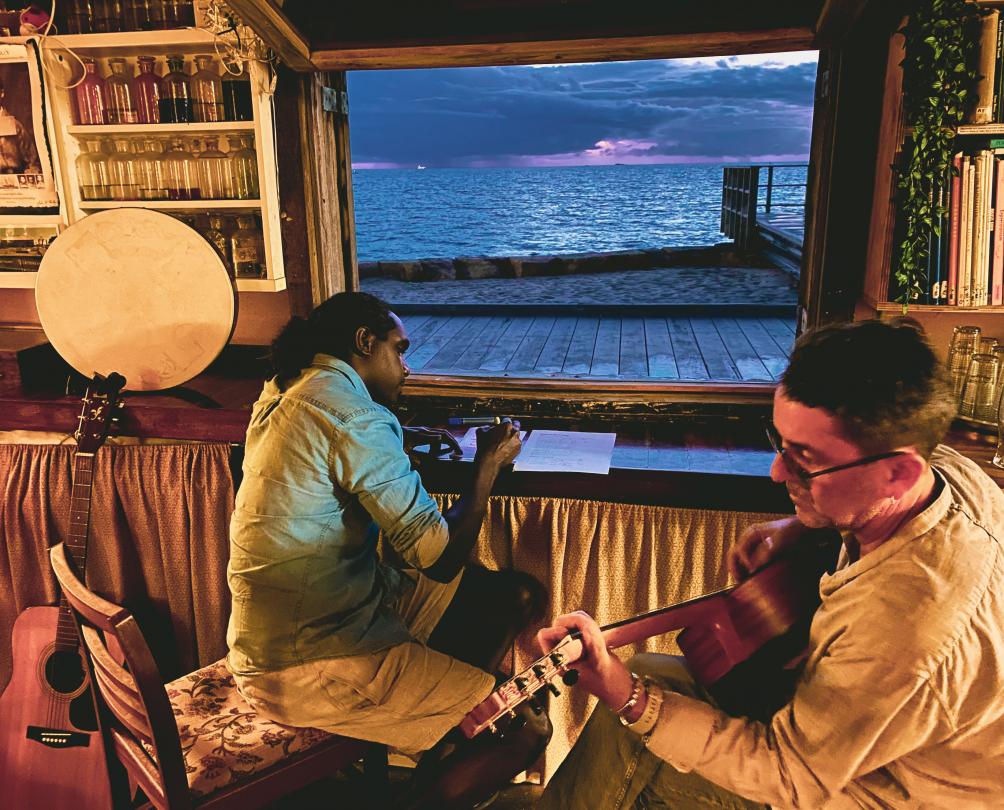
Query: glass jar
[146, 91]
[243, 168]
[79, 15]
[218, 235]
[150, 168]
[122, 171]
[92, 172]
[214, 171]
[136, 15]
[236, 89]
[107, 16]
[90, 95]
[964, 342]
[981, 384]
[181, 172]
[207, 90]
[118, 94]
[175, 93]
[247, 249]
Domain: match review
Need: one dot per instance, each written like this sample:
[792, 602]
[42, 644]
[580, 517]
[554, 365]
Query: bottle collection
[237, 239]
[168, 168]
[106, 16]
[146, 97]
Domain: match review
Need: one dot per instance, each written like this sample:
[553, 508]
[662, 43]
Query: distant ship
[420, 166]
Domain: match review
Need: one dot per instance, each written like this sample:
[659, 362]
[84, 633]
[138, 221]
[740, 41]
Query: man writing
[323, 633]
[900, 701]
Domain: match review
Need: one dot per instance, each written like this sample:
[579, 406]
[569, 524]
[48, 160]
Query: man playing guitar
[900, 698]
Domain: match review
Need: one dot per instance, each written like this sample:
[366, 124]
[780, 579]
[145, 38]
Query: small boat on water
[420, 166]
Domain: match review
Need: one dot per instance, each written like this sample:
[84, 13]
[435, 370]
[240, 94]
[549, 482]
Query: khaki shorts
[407, 696]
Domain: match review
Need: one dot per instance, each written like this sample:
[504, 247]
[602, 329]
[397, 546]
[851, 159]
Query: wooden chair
[193, 742]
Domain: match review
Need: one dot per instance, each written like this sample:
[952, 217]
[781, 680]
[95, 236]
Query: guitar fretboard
[76, 542]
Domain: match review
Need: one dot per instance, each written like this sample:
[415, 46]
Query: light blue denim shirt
[324, 471]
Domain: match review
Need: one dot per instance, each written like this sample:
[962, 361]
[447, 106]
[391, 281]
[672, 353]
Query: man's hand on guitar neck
[761, 543]
[600, 672]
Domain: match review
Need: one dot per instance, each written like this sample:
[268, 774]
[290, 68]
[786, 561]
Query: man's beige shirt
[902, 700]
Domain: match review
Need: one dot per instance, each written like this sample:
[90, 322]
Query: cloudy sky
[741, 108]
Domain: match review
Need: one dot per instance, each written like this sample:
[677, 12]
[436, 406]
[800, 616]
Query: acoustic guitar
[730, 637]
[51, 752]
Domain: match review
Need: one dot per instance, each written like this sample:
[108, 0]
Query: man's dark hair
[881, 378]
[329, 329]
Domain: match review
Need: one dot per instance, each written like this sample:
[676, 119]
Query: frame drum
[137, 292]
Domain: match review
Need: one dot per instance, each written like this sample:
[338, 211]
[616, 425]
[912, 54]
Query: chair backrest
[136, 716]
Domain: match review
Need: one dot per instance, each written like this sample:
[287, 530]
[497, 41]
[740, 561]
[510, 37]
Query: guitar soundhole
[64, 672]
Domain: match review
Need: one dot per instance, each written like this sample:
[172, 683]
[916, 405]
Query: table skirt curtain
[612, 560]
[158, 541]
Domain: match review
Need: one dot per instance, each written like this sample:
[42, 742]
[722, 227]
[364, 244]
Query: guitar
[51, 752]
[763, 621]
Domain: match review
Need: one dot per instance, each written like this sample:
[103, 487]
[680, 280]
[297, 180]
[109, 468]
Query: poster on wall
[25, 163]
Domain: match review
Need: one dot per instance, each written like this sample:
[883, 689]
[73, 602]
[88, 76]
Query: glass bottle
[243, 168]
[146, 91]
[218, 235]
[79, 15]
[237, 96]
[118, 94]
[181, 172]
[207, 90]
[175, 93]
[247, 249]
[90, 95]
[150, 168]
[214, 171]
[179, 14]
[107, 16]
[157, 15]
[92, 172]
[136, 15]
[122, 174]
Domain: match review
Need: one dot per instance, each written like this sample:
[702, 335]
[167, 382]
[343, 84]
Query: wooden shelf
[980, 129]
[30, 220]
[83, 130]
[892, 306]
[173, 205]
[18, 280]
[261, 284]
[136, 42]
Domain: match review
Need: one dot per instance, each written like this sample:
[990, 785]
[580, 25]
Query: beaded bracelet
[636, 690]
[650, 714]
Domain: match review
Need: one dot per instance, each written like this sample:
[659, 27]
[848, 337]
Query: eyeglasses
[803, 474]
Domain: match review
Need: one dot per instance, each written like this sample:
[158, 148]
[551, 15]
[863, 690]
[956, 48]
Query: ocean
[430, 213]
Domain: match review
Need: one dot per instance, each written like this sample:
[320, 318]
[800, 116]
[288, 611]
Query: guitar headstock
[539, 675]
[101, 404]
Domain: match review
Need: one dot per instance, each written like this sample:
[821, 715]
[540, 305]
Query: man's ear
[364, 341]
[906, 471]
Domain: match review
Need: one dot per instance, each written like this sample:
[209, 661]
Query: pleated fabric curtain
[611, 560]
[158, 540]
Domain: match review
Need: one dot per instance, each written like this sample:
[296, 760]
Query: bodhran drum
[137, 292]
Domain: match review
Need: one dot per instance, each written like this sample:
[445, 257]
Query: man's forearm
[464, 520]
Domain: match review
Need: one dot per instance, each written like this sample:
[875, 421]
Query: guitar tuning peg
[553, 689]
[570, 677]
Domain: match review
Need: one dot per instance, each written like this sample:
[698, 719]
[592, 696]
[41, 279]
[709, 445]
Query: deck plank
[552, 356]
[633, 355]
[686, 350]
[431, 346]
[475, 354]
[782, 330]
[745, 359]
[771, 355]
[525, 358]
[412, 322]
[716, 356]
[580, 350]
[459, 343]
[606, 352]
[659, 346]
[505, 347]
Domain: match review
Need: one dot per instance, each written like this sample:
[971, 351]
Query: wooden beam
[723, 43]
[276, 31]
[836, 20]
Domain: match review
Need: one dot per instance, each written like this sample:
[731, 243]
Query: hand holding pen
[499, 443]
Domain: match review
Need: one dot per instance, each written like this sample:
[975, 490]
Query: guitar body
[51, 753]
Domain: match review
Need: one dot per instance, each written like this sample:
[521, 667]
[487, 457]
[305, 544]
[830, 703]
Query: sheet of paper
[469, 443]
[566, 451]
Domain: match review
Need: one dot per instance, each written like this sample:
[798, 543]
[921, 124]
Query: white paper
[566, 451]
[469, 443]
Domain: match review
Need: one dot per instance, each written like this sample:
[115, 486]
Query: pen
[473, 420]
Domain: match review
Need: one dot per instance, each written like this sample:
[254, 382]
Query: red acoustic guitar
[51, 754]
[764, 617]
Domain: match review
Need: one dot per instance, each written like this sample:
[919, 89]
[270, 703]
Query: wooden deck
[712, 349]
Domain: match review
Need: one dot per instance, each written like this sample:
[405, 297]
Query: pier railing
[741, 198]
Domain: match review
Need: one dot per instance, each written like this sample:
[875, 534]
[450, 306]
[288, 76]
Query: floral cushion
[223, 739]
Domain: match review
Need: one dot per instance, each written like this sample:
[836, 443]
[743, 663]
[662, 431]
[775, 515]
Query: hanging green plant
[938, 77]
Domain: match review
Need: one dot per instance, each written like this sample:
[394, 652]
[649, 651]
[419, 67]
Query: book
[981, 109]
[966, 235]
[955, 194]
[997, 262]
[978, 217]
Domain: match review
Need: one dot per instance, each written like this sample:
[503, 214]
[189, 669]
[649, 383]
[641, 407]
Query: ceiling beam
[836, 20]
[723, 43]
[268, 21]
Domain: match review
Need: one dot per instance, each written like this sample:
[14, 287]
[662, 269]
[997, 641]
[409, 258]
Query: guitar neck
[639, 628]
[76, 541]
